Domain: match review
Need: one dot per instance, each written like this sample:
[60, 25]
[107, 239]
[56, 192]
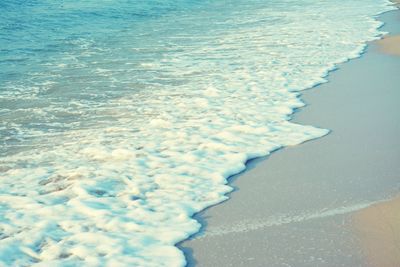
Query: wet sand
[378, 226]
[297, 208]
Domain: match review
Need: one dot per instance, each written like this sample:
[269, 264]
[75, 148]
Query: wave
[115, 137]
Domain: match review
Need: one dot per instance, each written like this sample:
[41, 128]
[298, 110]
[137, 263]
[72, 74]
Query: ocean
[121, 119]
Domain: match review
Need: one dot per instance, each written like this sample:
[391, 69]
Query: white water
[121, 190]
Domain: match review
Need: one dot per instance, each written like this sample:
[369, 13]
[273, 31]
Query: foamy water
[121, 120]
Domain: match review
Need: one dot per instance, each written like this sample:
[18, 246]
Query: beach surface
[378, 227]
[390, 45]
[301, 207]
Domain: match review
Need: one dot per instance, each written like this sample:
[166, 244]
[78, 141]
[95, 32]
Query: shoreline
[225, 231]
[377, 226]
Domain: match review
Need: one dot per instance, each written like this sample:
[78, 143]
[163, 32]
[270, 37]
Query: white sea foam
[119, 187]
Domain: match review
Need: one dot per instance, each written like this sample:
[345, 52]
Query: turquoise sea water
[61, 61]
[120, 119]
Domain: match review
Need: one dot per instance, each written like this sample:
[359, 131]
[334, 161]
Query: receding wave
[116, 128]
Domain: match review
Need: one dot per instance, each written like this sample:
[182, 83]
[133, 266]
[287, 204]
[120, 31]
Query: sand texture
[390, 45]
[378, 228]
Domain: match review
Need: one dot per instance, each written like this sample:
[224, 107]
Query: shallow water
[119, 120]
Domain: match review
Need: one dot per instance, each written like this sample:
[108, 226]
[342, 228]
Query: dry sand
[390, 45]
[296, 208]
[379, 230]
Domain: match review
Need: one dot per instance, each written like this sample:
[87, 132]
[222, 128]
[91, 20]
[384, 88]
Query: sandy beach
[378, 226]
[379, 230]
[390, 45]
[125, 126]
[317, 210]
